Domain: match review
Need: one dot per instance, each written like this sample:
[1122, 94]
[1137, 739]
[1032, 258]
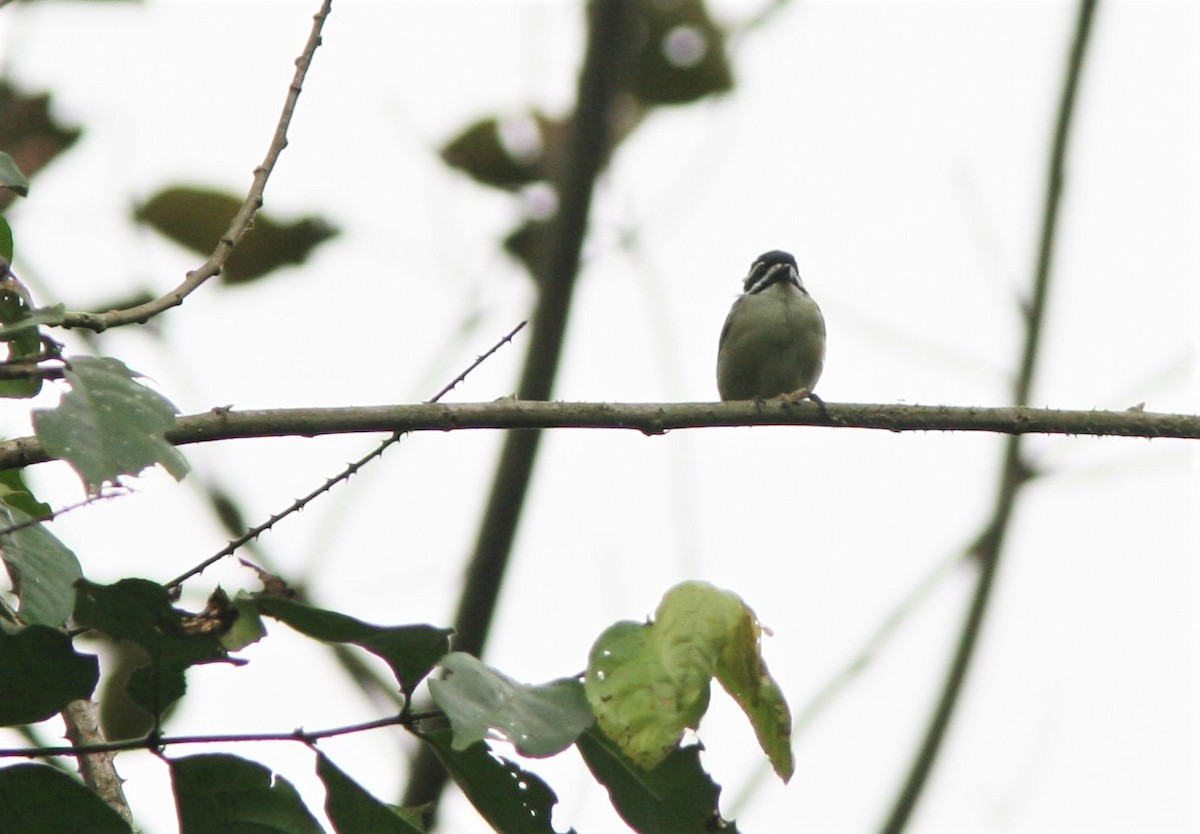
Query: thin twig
[344, 475]
[142, 313]
[1015, 473]
[157, 742]
[33, 522]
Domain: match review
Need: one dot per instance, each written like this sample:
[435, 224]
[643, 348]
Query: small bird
[773, 341]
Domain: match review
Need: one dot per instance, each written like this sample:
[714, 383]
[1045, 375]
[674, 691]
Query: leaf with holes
[647, 683]
[109, 424]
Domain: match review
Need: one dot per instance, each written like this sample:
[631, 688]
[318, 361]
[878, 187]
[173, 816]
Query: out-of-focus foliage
[198, 218]
[29, 134]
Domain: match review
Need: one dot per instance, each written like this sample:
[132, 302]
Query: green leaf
[648, 683]
[198, 218]
[410, 651]
[43, 570]
[140, 610]
[40, 673]
[479, 701]
[681, 54]
[24, 342]
[32, 320]
[38, 799]
[676, 797]
[510, 799]
[15, 493]
[354, 811]
[11, 176]
[505, 154]
[108, 424]
[247, 628]
[218, 793]
[6, 242]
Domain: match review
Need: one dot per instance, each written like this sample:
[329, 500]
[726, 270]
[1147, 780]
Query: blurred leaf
[527, 243]
[537, 720]
[354, 811]
[140, 610]
[6, 245]
[198, 218]
[511, 800]
[29, 134]
[676, 797]
[11, 176]
[410, 651]
[19, 332]
[506, 153]
[15, 493]
[43, 570]
[218, 793]
[40, 673]
[247, 627]
[681, 54]
[108, 424]
[32, 320]
[36, 799]
[648, 682]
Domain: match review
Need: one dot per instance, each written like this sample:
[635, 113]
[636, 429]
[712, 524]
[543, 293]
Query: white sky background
[899, 150]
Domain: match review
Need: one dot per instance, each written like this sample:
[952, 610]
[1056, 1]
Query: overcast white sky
[898, 149]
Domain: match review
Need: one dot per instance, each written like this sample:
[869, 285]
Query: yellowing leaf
[647, 683]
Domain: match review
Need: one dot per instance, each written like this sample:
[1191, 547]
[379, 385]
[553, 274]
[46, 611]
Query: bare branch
[225, 423]
[142, 313]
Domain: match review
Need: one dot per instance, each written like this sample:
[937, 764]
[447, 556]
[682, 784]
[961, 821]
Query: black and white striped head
[771, 268]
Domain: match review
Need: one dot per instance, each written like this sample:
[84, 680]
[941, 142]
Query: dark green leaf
[108, 424]
[354, 811]
[24, 342]
[40, 673]
[537, 720]
[42, 569]
[676, 797]
[140, 610]
[222, 794]
[512, 800]
[198, 218]
[11, 176]
[15, 493]
[681, 56]
[505, 154]
[411, 651]
[6, 243]
[36, 799]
